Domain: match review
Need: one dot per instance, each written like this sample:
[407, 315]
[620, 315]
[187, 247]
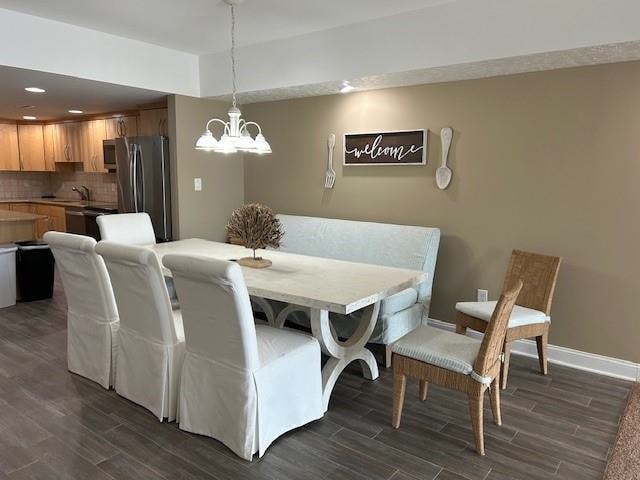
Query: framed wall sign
[402, 147]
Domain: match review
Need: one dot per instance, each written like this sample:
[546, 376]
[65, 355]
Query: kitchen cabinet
[80, 142]
[23, 207]
[93, 133]
[17, 226]
[121, 127]
[153, 122]
[9, 151]
[67, 141]
[56, 219]
[31, 146]
[48, 132]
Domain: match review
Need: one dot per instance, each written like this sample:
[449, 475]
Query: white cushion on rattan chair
[440, 348]
[519, 316]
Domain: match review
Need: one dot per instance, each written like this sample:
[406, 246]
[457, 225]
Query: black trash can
[34, 271]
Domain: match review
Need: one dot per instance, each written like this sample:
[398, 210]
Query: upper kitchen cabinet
[48, 132]
[68, 140]
[31, 146]
[153, 122]
[9, 151]
[121, 127]
[94, 132]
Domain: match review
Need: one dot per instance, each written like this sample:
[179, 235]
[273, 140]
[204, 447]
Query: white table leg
[266, 307]
[343, 353]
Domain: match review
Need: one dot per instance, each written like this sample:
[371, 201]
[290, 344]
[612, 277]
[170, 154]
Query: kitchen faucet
[84, 192]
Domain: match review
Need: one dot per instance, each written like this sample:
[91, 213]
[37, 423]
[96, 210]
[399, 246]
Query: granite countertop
[9, 216]
[60, 202]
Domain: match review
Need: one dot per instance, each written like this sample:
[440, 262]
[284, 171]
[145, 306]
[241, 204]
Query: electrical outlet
[197, 184]
[483, 295]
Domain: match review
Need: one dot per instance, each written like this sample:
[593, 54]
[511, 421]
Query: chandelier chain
[233, 53]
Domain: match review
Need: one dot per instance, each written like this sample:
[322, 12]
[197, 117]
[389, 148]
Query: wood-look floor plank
[57, 461]
[556, 450]
[124, 467]
[395, 458]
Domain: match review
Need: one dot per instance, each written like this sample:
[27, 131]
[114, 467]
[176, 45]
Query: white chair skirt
[148, 373]
[92, 348]
[248, 411]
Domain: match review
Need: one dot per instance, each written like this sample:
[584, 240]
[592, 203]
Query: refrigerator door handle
[134, 175]
[165, 232]
[142, 197]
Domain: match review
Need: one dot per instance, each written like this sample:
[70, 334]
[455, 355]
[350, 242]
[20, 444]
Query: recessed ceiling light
[347, 87]
[35, 89]
[28, 117]
[76, 111]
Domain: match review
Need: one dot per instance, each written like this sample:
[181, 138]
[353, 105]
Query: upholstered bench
[390, 245]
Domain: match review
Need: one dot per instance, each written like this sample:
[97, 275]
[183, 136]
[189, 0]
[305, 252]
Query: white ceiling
[202, 26]
[64, 93]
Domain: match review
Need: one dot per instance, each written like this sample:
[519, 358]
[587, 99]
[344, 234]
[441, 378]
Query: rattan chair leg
[494, 396]
[387, 356]
[399, 387]
[423, 390]
[475, 412]
[504, 369]
[542, 342]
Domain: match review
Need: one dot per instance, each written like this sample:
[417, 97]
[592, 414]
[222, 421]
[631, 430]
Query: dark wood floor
[55, 425]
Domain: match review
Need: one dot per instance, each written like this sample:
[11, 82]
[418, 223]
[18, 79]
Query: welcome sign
[406, 147]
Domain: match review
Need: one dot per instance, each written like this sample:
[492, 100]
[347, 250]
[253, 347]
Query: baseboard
[591, 362]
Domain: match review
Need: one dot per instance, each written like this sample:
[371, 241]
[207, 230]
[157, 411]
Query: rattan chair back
[493, 340]
[538, 274]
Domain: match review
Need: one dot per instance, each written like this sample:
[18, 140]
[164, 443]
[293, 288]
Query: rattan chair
[455, 361]
[531, 315]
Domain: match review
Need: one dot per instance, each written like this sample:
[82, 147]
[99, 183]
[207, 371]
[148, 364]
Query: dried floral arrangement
[256, 227]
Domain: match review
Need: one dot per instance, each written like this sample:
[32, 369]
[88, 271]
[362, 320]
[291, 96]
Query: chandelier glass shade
[236, 136]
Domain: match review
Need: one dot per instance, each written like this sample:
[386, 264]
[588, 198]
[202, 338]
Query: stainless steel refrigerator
[142, 167]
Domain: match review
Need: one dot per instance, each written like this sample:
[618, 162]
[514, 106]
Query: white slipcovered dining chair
[242, 384]
[133, 229]
[128, 228]
[92, 315]
[150, 338]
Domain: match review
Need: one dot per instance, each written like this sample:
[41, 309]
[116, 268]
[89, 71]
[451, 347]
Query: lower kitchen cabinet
[55, 220]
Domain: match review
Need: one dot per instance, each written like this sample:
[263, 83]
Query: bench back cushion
[401, 246]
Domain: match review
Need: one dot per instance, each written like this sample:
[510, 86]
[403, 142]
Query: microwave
[109, 150]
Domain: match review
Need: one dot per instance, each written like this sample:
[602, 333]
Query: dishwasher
[83, 222]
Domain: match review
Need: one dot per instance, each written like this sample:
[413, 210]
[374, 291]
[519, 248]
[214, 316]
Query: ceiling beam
[495, 36]
[37, 43]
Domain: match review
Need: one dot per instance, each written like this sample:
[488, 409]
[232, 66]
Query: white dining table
[319, 286]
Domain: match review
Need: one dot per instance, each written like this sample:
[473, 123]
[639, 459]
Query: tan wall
[201, 214]
[546, 162]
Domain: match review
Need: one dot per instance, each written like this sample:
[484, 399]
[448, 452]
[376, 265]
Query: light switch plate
[197, 184]
[483, 295]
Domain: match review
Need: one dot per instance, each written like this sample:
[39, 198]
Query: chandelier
[235, 136]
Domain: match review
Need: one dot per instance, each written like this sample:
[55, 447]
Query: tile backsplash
[24, 185]
[18, 185]
[101, 185]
